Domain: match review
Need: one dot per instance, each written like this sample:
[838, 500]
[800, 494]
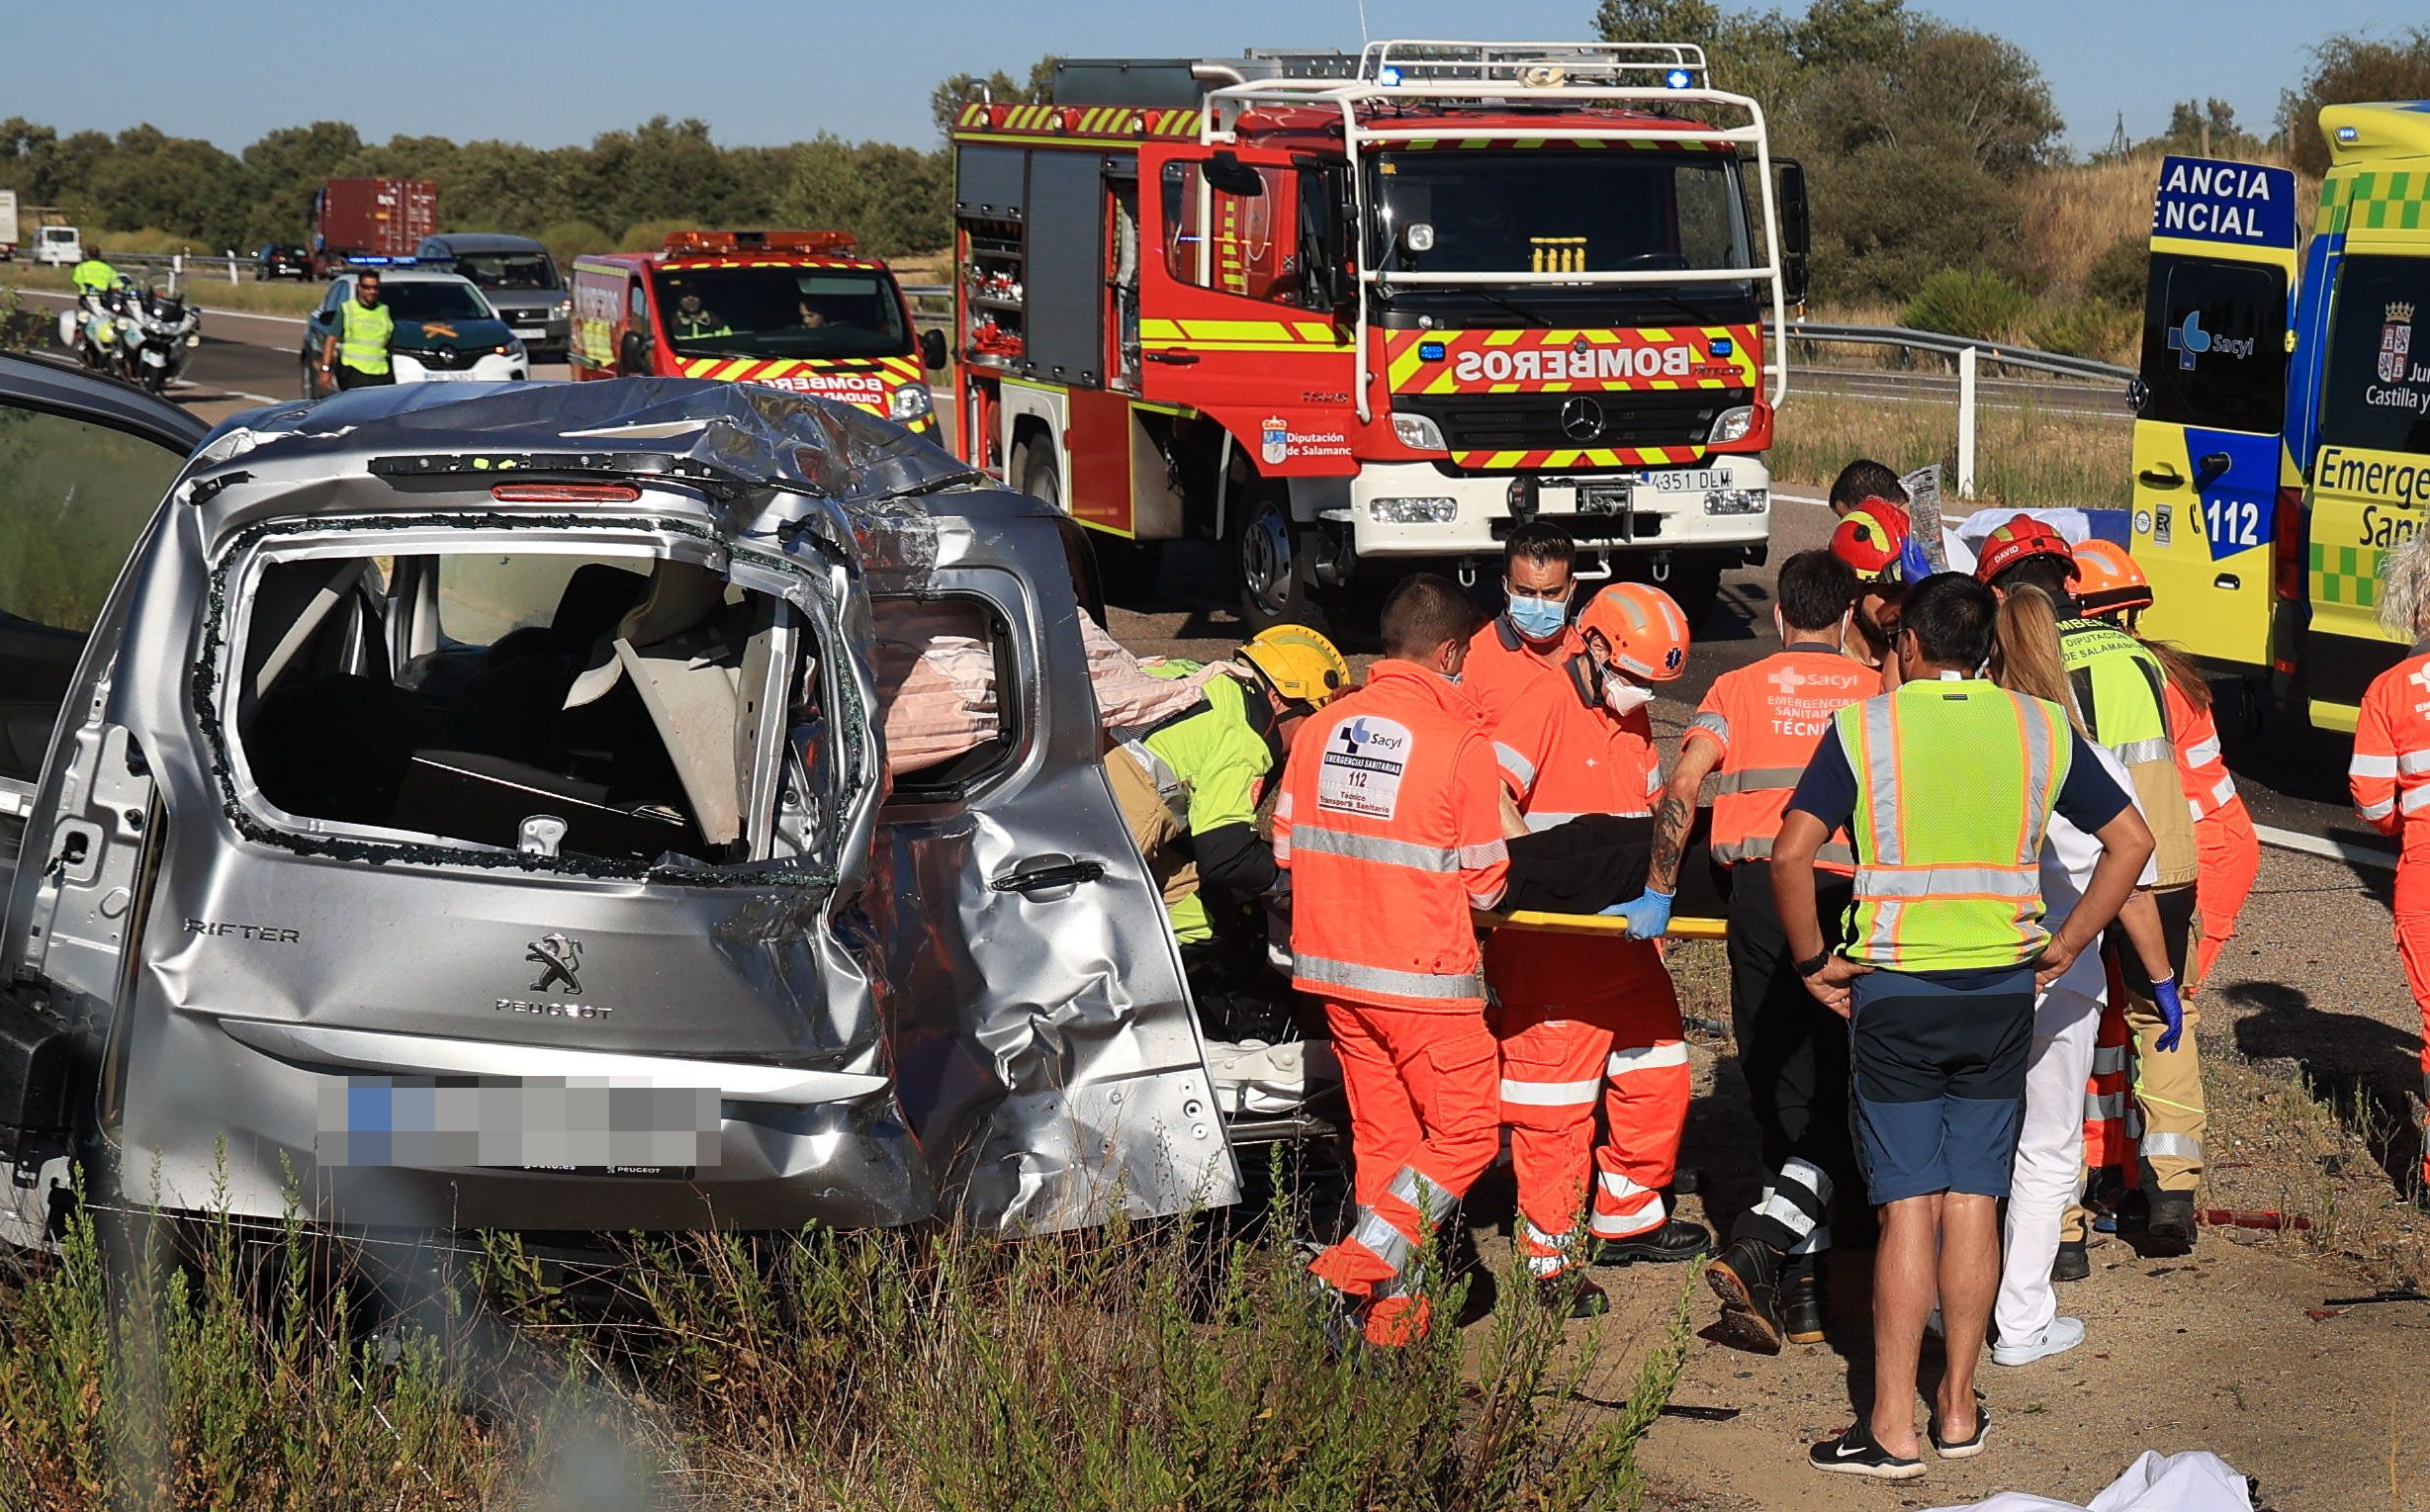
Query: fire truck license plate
[1684, 482]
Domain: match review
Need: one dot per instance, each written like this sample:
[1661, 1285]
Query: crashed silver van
[466, 809]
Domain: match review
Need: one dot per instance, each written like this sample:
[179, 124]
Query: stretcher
[1595, 923]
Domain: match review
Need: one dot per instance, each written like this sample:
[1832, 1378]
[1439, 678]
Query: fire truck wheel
[1269, 557]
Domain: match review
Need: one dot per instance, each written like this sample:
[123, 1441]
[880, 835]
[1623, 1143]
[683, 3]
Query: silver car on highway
[467, 808]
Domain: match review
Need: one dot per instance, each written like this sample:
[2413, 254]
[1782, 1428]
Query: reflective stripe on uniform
[1514, 764]
[2108, 1060]
[1785, 1212]
[1807, 1174]
[1390, 1244]
[1814, 1243]
[2379, 810]
[1548, 819]
[1449, 986]
[2414, 798]
[2370, 766]
[1712, 723]
[1651, 1057]
[1552, 1093]
[2181, 1146]
[2202, 752]
[1430, 1198]
[1944, 881]
[1759, 848]
[2412, 763]
[1881, 783]
[2100, 1106]
[1318, 841]
[2155, 749]
[1169, 788]
[1754, 780]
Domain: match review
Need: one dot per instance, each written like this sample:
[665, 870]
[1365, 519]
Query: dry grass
[207, 292]
[2026, 456]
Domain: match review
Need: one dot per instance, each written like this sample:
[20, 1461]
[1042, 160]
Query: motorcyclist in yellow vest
[2121, 691]
[93, 276]
[1947, 787]
[1189, 786]
[357, 353]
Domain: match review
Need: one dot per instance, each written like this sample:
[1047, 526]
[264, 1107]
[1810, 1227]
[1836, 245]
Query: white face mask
[1624, 697]
[1781, 628]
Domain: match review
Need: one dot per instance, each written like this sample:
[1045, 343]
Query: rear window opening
[624, 709]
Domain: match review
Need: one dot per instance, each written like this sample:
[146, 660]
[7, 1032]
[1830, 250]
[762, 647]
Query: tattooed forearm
[1671, 821]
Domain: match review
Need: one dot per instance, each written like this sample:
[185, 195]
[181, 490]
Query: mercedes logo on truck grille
[1582, 418]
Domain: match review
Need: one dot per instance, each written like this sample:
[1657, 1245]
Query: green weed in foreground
[1168, 1365]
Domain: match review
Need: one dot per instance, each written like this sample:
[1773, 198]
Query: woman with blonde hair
[2390, 773]
[2026, 659]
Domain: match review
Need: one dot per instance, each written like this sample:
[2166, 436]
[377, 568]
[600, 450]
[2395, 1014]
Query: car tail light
[2287, 546]
[565, 494]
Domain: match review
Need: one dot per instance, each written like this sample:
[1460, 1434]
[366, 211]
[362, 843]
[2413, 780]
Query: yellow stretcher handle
[1593, 924]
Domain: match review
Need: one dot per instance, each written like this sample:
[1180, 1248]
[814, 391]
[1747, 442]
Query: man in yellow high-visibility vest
[1947, 787]
[356, 355]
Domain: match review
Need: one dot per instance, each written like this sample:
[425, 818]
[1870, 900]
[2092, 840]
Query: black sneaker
[1801, 1303]
[1746, 1279]
[2171, 1217]
[1965, 1449]
[1674, 1241]
[2072, 1264]
[1855, 1453]
[1572, 1294]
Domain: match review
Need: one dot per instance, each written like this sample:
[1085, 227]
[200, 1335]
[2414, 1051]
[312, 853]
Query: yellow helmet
[1298, 664]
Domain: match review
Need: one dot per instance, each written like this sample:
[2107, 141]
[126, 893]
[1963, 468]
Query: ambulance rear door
[2210, 403]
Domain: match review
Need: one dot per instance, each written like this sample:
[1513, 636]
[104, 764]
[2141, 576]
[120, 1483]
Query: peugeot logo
[1582, 418]
[558, 958]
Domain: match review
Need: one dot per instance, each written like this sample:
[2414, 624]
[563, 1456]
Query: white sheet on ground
[2195, 1482]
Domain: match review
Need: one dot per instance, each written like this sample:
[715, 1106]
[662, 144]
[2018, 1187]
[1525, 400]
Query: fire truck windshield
[1549, 210]
[784, 310]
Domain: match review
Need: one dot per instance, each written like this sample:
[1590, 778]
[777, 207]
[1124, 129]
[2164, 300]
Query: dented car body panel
[356, 885]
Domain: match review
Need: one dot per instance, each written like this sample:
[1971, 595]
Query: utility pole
[2118, 145]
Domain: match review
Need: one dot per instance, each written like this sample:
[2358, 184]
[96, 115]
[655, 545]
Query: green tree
[1656, 21]
[2348, 68]
[2205, 129]
[281, 171]
[181, 185]
[946, 100]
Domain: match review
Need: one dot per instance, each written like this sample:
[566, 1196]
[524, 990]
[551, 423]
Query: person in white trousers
[2049, 1167]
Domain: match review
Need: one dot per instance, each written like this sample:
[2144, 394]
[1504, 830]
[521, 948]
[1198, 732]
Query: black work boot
[2172, 1217]
[1746, 1279]
[1676, 1240]
[1801, 1300]
[1572, 1294]
[2072, 1263]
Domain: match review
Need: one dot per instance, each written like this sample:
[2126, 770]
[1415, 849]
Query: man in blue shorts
[1946, 786]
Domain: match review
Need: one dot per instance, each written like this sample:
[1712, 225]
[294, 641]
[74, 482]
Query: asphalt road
[2293, 778]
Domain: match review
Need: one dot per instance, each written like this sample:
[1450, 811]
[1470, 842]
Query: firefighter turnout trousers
[1621, 1045]
[2168, 1088]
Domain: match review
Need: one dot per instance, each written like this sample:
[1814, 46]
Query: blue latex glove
[1648, 914]
[1914, 564]
[2173, 1010]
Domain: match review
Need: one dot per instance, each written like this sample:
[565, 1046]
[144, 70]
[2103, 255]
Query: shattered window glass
[621, 708]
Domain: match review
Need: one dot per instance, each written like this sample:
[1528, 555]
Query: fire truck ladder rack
[1453, 75]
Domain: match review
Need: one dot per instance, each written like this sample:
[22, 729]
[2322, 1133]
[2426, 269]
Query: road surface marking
[2316, 845]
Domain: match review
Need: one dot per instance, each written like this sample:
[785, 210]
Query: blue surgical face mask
[1537, 619]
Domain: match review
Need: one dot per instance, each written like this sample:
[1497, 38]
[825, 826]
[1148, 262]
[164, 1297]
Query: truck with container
[8, 224]
[1342, 315]
[2283, 407]
[369, 222]
[800, 311]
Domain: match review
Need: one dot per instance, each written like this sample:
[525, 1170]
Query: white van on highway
[58, 246]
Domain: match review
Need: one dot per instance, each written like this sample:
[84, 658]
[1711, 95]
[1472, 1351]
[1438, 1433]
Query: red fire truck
[802, 310]
[1342, 313]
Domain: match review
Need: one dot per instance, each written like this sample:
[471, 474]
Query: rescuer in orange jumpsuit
[2391, 772]
[1389, 822]
[1586, 1020]
[1531, 640]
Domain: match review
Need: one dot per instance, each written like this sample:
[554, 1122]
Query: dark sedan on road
[282, 260]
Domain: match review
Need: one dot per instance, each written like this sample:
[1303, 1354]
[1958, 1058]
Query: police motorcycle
[143, 335]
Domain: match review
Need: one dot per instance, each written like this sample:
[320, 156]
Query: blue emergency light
[2348, 133]
[1723, 346]
[1679, 78]
[1430, 351]
[1387, 75]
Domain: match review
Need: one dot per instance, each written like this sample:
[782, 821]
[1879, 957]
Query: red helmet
[1644, 628]
[2107, 580]
[1870, 539]
[2022, 539]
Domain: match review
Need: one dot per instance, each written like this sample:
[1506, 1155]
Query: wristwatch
[1814, 963]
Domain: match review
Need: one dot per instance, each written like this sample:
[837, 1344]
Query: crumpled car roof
[767, 435]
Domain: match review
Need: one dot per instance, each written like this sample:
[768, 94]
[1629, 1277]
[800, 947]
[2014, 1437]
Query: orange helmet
[2107, 580]
[2022, 539]
[1872, 539]
[1644, 627]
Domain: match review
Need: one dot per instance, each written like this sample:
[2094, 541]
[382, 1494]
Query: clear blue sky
[777, 70]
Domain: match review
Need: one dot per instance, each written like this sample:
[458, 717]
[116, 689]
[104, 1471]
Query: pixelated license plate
[588, 1126]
